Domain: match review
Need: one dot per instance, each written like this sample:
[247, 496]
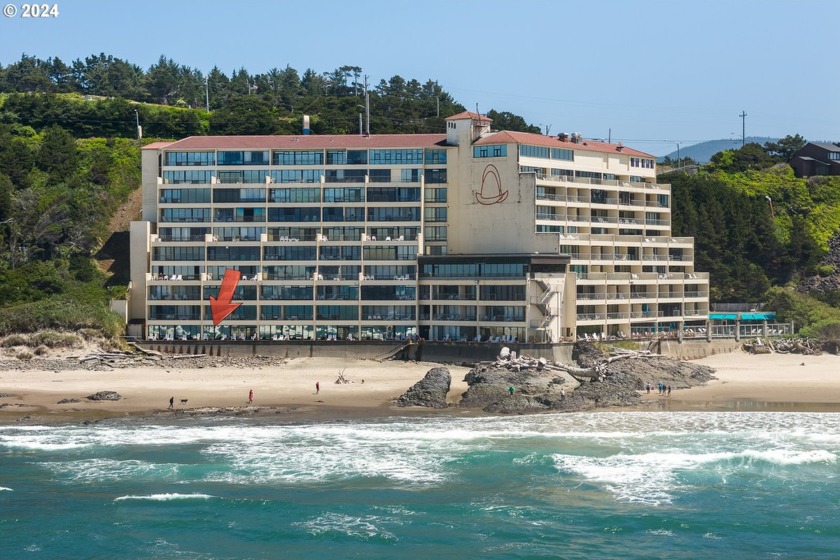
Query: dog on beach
[184, 401]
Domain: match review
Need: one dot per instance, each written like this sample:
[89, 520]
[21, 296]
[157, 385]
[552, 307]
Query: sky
[649, 73]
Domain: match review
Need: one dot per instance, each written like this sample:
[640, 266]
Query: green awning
[723, 316]
[751, 316]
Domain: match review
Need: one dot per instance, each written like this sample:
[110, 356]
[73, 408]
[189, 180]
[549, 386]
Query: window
[185, 196]
[295, 195]
[296, 176]
[379, 175]
[299, 158]
[185, 215]
[344, 195]
[240, 215]
[232, 253]
[345, 175]
[560, 153]
[183, 233]
[564, 174]
[238, 233]
[410, 175]
[435, 214]
[190, 158]
[393, 214]
[336, 157]
[193, 177]
[641, 162]
[178, 254]
[243, 158]
[435, 176]
[290, 252]
[435, 157]
[496, 150]
[834, 155]
[435, 195]
[533, 151]
[294, 214]
[357, 157]
[436, 233]
[393, 194]
[239, 195]
[387, 157]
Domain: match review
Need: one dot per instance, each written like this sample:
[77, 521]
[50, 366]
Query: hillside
[702, 153]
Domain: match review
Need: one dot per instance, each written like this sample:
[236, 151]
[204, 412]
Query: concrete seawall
[443, 352]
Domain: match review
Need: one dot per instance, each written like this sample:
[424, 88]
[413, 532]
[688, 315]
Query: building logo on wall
[491, 187]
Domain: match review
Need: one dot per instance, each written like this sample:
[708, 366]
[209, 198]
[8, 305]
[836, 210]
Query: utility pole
[743, 116]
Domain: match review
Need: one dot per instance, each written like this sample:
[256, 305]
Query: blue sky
[654, 72]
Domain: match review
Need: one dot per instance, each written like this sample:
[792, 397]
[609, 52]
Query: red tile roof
[508, 137]
[470, 115]
[309, 142]
[156, 145]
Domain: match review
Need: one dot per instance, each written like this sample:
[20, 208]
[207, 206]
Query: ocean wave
[652, 478]
[5, 489]
[166, 497]
[434, 430]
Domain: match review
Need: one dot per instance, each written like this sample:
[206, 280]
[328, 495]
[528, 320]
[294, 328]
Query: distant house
[816, 158]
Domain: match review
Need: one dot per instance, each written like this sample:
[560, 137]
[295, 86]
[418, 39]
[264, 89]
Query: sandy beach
[286, 388]
[744, 382]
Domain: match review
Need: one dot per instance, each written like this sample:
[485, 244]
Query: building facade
[815, 159]
[469, 235]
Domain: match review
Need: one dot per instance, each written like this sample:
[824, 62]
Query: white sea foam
[104, 470]
[4, 489]
[365, 527]
[166, 497]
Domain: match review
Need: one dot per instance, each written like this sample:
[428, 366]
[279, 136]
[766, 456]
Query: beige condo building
[473, 234]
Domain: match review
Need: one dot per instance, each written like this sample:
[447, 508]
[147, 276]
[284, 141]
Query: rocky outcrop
[540, 386]
[831, 282]
[430, 391]
[104, 396]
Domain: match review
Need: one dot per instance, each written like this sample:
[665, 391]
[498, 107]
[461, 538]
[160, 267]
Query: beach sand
[287, 389]
[744, 382]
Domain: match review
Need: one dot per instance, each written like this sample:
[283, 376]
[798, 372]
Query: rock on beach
[430, 391]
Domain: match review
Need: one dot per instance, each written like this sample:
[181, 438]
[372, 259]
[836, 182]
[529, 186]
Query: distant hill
[703, 152]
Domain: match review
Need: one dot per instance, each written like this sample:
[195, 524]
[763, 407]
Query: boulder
[104, 396]
[430, 391]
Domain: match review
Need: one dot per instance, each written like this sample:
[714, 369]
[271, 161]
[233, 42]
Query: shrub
[825, 270]
[52, 339]
[828, 329]
[62, 314]
[24, 355]
[14, 340]
[42, 350]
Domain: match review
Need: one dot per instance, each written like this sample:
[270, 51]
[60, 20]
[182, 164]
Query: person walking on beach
[251, 396]
[171, 402]
[669, 390]
[562, 394]
[510, 390]
[317, 387]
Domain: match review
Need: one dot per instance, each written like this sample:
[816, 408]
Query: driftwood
[186, 356]
[145, 351]
[509, 360]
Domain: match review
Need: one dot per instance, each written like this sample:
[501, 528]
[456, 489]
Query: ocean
[586, 485]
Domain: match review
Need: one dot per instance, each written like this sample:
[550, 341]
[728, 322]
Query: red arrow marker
[223, 307]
